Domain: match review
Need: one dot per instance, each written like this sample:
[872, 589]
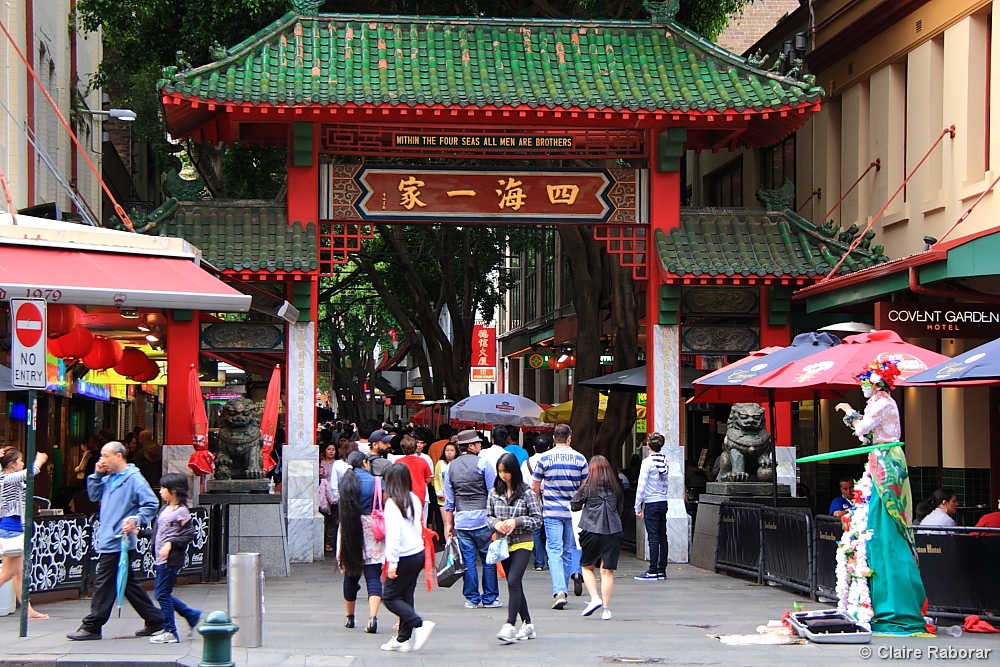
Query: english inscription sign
[932, 320]
[499, 141]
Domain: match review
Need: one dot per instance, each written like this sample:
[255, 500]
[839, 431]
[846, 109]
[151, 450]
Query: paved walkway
[668, 622]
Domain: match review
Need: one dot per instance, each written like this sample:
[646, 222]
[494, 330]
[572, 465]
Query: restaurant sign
[493, 196]
[933, 320]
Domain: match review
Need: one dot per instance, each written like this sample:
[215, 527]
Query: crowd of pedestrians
[543, 505]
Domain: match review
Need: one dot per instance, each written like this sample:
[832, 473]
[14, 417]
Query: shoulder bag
[378, 516]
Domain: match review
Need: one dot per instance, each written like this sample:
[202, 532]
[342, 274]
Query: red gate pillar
[663, 338]
[299, 455]
[776, 329]
[183, 335]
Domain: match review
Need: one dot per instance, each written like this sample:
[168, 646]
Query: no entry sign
[28, 344]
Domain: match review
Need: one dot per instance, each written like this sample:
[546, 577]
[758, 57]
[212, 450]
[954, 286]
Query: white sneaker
[164, 638]
[422, 634]
[526, 632]
[592, 606]
[507, 634]
[394, 645]
[606, 614]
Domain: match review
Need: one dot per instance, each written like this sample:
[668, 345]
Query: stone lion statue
[747, 449]
[238, 454]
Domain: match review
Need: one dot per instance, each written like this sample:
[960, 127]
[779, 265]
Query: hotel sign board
[934, 320]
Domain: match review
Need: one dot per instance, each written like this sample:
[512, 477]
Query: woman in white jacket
[404, 553]
[651, 507]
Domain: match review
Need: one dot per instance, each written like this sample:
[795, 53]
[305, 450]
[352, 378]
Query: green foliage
[254, 172]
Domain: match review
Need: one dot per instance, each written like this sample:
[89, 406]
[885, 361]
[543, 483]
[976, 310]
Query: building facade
[903, 146]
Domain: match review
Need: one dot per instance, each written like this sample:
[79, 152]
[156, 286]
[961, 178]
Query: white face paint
[868, 390]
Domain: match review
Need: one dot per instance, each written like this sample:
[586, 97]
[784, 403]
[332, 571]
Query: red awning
[95, 278]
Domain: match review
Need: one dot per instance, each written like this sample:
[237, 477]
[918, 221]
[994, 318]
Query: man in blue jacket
[126, 503]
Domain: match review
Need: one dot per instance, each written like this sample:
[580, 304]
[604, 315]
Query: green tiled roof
[749, 243]
[341, 60]
[245, 236]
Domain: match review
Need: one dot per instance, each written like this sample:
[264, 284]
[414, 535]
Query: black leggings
[514, 568]
[373, 583]
[397, 594]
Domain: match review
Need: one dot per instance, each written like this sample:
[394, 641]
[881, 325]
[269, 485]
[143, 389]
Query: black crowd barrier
[740, 543]
[788, 549]
[829, 530]
[958, 565]
[63, 554]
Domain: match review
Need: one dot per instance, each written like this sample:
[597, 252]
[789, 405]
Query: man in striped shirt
[557, 476]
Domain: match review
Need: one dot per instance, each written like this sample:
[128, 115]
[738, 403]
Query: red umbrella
[832, 371]
[269, 421]
[202, 459]
[704, 392]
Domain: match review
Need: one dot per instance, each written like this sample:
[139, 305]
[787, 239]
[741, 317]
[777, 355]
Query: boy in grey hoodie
[651, 507]
[127, 502]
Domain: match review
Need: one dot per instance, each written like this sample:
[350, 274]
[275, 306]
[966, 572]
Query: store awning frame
[61, 273]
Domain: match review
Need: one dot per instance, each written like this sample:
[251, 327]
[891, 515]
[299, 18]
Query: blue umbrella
[122, 572]
[723, 387]
[980, 365]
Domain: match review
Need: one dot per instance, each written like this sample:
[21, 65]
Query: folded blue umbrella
[122, 572]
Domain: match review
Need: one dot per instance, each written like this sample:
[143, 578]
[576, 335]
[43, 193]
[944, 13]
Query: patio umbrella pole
[815, 465]
[774, 445]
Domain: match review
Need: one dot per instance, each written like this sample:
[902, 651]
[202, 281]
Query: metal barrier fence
[958, 565]
[63, 553]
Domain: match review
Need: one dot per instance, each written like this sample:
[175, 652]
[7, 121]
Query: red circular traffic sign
[28, 324]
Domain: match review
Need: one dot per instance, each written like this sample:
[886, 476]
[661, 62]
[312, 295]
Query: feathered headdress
[880, 375]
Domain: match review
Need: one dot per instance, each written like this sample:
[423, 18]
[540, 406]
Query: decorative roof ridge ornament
[306, 7]
[661, 12]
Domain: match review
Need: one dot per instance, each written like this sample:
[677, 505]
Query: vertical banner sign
[28, 369]
[484, 354]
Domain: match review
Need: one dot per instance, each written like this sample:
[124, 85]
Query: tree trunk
[619, 417]
[585, 269]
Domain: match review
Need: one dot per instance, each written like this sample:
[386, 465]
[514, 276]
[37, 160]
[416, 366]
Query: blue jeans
[564, 557]
[164, 591]
[654, 516]
[539, 548]
[475, 543]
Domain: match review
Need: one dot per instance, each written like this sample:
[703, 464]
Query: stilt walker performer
[878, 580]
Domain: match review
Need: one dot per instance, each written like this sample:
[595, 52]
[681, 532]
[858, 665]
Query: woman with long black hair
[602, 501]
[404, 554]
[359, 554]
[513, 510]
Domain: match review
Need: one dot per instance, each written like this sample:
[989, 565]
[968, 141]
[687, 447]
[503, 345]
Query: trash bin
[246, 598]
[7, 603]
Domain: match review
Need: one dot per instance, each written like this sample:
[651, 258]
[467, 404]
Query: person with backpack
[651, 507]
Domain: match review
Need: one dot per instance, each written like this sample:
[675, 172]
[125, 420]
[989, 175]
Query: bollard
[217, 649]
[246, 597]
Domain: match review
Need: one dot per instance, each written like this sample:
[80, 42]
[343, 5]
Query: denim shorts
[4, 533]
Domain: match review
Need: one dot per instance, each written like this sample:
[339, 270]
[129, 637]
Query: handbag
[325, 497]
[497, 551]
[378, 516]
[12, 546]
[450, 565]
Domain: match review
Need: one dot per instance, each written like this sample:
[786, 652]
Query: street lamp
[117, 114]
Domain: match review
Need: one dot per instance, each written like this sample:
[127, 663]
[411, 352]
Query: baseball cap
[380, 436]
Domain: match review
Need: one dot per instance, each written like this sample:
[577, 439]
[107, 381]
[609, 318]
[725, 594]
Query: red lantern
[134, 361]
[74, 345]
[105, 354]
[61, 319]
[555, 364]
[148, 374]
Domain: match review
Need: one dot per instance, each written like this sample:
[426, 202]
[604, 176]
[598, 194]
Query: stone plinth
[237, 485]
[256, 523]
[757, 489]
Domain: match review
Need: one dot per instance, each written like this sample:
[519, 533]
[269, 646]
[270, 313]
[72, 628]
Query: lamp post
[117, 114]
